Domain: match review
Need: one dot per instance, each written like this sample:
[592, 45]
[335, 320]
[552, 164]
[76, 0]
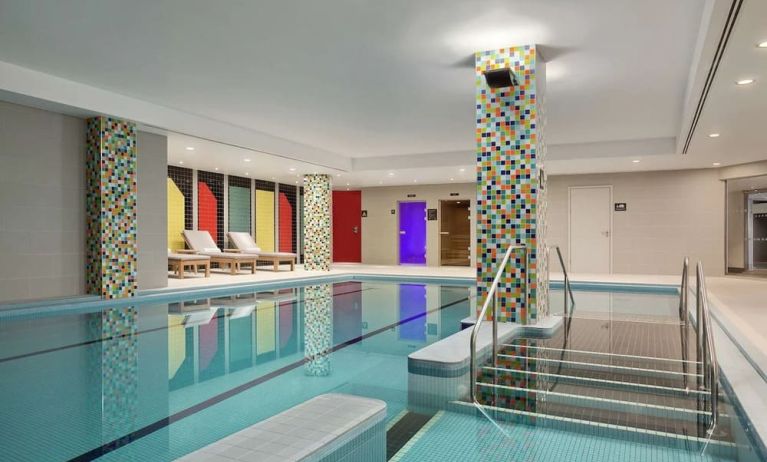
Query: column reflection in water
[116, 369]
[318, 329]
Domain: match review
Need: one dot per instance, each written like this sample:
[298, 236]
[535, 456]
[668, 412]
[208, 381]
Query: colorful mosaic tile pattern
[318, 328]
[317, 222]
[111, 208]
[510, 182]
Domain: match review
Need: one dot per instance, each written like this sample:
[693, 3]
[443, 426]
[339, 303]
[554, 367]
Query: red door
[347, 226]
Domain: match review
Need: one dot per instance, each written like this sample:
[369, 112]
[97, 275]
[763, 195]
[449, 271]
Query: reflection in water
[115, 369]
[318, 328]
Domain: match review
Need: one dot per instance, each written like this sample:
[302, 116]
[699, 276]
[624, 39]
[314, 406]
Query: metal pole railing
[568, 288]
[706, 335]
[490, 300]
[684, 316]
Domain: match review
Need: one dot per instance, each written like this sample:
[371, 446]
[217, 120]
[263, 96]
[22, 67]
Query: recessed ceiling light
[716, 164]
[462, 170]
[452, 179]
[347, 184]
[246, 173]
[274, 178]
[246, 159]
[338, 174]
[713, 135]
[296, 181]
[744, 81]
[415, 181]
[292, 169]
[636, 161]
[391, 173]
[190, 148]
[181, 162]
[762, 44]
[216, 168]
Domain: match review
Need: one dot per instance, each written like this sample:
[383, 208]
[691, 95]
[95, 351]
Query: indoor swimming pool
[160, 379]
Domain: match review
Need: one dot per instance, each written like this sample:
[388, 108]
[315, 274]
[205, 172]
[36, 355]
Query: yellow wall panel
[265, 327]
[265, 220]
[176, 344]
[175, 216]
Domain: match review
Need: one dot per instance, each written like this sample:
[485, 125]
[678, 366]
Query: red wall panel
[207, 210]
[286, 224]
[347, 226]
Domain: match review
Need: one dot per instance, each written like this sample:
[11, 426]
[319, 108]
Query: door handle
[444, 232]
[355, 229]
[402, 232]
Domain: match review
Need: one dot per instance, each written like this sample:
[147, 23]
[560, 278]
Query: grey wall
[380, 231]
[42, 205]
[152, 213]
[671, 214]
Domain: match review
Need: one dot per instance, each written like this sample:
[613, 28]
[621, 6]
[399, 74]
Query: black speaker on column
[500, 78]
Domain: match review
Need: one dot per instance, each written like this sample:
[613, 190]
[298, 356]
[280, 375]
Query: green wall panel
[239, 209]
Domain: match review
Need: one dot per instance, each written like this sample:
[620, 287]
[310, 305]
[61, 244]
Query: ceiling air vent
[500, 78]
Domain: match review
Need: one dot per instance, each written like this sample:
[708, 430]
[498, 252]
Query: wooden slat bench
[178, 261]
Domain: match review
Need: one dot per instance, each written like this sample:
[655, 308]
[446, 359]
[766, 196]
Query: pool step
[570, 421]
[596, 357]
[602, 379]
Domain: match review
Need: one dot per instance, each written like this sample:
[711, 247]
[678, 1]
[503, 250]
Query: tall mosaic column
[511, 202]
[317, 222]
[111, 207]
[318, 329]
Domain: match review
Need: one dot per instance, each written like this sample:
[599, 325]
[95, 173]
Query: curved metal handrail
[568, 287]
[706, 342]
[490, 300]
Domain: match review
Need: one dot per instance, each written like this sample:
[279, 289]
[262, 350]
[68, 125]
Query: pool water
[156, 381]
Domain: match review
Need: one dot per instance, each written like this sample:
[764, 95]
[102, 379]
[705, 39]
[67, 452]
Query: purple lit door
[412, 233]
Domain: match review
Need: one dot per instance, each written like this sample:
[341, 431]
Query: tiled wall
[510, 181]
[110, 204]
[152, 226]
[221, 203]
[42, 204]
[316, 219]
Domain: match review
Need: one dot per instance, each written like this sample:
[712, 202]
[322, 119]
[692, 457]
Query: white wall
[670, 215]
[152, 210]
[380, 231]
[42, 205]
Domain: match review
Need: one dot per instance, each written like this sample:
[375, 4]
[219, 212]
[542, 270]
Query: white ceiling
[390, 83]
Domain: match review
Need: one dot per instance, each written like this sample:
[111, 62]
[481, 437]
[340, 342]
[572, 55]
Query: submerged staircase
[653, 381]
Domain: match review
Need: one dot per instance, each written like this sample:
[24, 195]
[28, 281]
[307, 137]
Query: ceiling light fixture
[636, 161]
[716, 164]
[216, 169]
[713, 135]
[246, 173]
[190, 148]
[744, 82]
[762, 44]
[246, 160]
[462, 170]
[452, 179]
[181, 162]
[292, 169]
[391, 173]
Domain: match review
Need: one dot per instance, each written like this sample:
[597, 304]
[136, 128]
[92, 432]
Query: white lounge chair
[201, 243]
[244, 243]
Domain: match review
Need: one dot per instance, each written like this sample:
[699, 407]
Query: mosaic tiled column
[111, 208]
[317, 222]
[318, 329]
[511, 201]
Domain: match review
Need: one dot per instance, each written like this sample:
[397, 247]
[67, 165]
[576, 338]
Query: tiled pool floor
[452, 436]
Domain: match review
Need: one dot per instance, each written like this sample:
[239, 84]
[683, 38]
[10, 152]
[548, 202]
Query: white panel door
[590, 243]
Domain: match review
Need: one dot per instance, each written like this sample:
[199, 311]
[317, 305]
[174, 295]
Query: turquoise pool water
[156, 381]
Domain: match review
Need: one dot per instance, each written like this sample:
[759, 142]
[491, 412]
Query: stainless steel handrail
[490, 299]
[684, 316]
[568, 288]
[706, 346]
